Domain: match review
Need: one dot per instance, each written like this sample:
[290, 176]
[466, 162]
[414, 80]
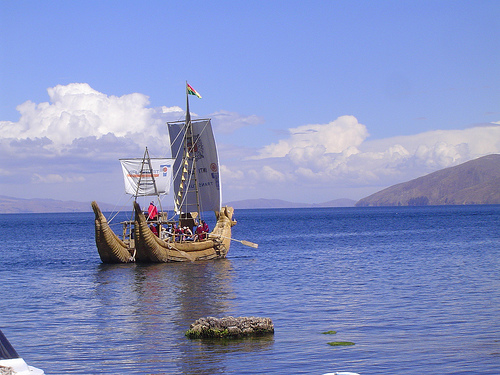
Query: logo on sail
[164, 169]
[197, 148]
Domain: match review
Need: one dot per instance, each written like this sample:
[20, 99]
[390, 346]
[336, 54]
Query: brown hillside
[474, 182]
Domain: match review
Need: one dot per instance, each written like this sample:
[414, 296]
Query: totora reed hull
[150, 248]
[110, 247]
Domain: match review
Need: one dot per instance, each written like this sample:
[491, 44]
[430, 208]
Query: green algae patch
[329, 333]
[208, 333]
[341, 343]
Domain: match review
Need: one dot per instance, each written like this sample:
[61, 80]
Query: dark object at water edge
[230, 327]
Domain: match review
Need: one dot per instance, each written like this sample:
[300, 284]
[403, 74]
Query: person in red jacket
[202, 231]
[154, 229]
[205, 227]
[152, 212]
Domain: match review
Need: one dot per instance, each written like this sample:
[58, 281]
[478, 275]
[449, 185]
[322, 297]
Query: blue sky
[311, 101]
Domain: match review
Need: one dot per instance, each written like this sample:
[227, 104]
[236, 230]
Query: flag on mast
[192, 91]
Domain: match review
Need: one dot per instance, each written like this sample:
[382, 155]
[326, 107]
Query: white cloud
[76, 111]
[80, 133]
[227, 122]
[322, 158]
[175, 109]
[54, 179]
[309, 139]
[79, 121]
[443, 148]
[77, 136]
[268, 173]
[231, 174]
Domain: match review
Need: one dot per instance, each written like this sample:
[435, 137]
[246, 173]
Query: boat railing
[127, 233]
[165, 232]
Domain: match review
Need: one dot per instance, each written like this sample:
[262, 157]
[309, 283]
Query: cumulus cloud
[443, 148]
[175, 109]
[80, 133]
[228, 173]
[77, 111]
[79, 121]
[339, 153]
[73, 142]
[76, 136]
[268, 174]
[330, 138]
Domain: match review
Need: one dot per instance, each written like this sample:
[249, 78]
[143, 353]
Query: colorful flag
[192, 91]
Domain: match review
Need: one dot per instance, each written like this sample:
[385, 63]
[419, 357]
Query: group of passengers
[186, 234]
[175, 232]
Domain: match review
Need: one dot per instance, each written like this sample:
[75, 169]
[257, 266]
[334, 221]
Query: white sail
[203, 148]
[140, 177]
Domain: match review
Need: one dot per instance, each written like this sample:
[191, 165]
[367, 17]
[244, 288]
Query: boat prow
[11, 362]
[110, 247]
[150, 248]
[18, 366]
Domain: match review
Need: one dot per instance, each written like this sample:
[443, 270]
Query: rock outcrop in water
[230, 327]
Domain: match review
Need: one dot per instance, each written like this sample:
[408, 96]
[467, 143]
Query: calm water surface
[416, 289]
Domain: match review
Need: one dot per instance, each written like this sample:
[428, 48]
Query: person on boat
[177, 233]
[164, 232]
[152, 211]
[201, 231]
[188, 234]
[205, 227]
[154, 229]
[198, 233]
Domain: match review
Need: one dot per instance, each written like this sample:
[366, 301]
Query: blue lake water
[416, 289]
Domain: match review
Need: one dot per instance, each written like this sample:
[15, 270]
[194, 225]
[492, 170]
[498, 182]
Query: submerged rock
[230, 327]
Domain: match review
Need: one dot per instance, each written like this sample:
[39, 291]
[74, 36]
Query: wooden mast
[188, 152]
[144, 158]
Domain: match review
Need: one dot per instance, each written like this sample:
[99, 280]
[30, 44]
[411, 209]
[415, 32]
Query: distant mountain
[474, 182]
[278, 203]
[9, 205]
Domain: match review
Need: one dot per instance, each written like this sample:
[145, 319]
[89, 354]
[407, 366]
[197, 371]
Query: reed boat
[151, 248]
[193, 172]
[110, 247]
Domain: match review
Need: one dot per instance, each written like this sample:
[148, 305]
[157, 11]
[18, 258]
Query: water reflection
[145, 310]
